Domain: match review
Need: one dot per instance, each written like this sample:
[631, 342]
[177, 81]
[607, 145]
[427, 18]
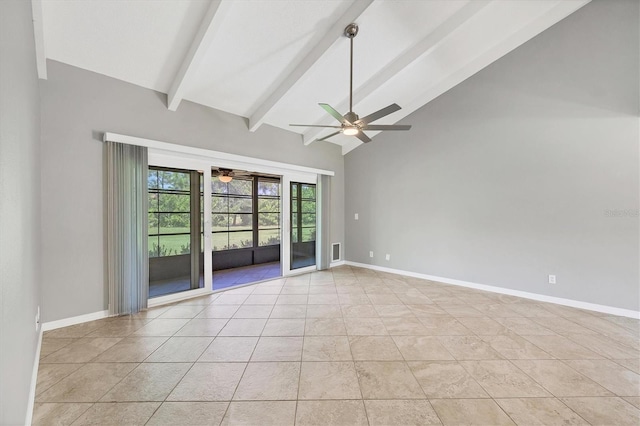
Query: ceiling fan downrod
[351, 31]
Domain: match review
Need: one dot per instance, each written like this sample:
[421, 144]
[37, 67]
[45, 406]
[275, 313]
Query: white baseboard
[526, 295]
[337, 263]
[34, 381]
[65, 322]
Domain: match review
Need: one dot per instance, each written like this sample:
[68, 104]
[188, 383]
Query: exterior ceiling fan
[350, 123]
[224, 175]
[227, 175]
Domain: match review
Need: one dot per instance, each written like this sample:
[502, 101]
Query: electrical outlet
[370, 254]
[552, 279]
[388, 257]
[356, 216]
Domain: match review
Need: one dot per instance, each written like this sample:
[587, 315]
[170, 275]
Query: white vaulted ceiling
[272, 61]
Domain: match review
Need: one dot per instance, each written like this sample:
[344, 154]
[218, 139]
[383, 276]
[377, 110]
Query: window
[245, 213]
[268, 199]
[169, 193]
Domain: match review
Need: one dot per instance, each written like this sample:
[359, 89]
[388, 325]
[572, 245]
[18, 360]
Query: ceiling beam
[207, 31]
[38, 35]
[423, 47]
[335, 32]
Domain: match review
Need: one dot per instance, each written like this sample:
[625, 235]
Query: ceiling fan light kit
[224, 175]
[350, 123]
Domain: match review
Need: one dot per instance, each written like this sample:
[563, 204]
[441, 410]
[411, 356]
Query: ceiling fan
[350, 123]
[227, 175]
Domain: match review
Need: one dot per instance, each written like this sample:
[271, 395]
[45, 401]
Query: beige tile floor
[345, 347]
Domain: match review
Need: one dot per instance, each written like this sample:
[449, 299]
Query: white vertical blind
[127, 243]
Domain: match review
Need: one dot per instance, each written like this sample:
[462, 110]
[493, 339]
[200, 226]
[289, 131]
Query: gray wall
[77, 106]
[19, 208]
[507, 177]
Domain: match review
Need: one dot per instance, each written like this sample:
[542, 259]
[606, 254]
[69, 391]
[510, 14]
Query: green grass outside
[178, 230]
[168, 230]
[172, 245]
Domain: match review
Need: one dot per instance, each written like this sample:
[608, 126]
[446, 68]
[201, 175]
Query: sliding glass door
[299, 223]
[176, 261]
[303, 225]
[200, 225]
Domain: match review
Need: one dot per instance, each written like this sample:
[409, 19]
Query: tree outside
[232, 213]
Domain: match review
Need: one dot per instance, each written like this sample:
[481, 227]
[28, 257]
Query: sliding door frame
[286, 216]
[186, 157]
[160, 160]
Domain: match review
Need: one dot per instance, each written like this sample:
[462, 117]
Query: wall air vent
[335, 252]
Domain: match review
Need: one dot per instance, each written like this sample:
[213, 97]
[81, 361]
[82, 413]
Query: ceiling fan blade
[328, 136]
[387, 127]
[315, 125]
[221, 171]
[379, 114]
[335, 114]
[364, 138]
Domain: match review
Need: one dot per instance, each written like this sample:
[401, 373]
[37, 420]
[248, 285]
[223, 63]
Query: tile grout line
[304, 333]
[235, 390]
[158, 348]
[407, 364]
[141, 363]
